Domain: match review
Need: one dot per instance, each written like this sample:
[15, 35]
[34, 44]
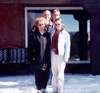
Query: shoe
[55, 89]
[55, 92]
[39, 91]
[44, 91]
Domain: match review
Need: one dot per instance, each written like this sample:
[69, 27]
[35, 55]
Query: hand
[44, 67]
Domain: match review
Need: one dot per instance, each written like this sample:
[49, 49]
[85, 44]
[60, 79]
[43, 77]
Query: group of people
[50, 50]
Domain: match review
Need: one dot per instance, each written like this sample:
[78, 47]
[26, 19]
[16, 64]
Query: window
[70, 23]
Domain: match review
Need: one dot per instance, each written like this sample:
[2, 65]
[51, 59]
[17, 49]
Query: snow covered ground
[74, 83]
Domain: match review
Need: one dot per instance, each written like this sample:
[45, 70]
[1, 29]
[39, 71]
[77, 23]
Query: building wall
[12, 26]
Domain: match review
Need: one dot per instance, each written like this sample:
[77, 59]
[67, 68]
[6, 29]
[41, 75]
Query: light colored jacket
[64, 45]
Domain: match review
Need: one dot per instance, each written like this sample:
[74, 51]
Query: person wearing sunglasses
[60, 53]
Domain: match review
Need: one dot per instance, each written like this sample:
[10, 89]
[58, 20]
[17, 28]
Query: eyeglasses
[57, 24]
[41, 24]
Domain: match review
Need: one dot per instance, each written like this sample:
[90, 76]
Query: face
[41, 25]
[47, 14]
[58, 25]
[56, 15]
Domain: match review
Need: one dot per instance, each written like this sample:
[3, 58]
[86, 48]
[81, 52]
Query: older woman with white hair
[40, 54]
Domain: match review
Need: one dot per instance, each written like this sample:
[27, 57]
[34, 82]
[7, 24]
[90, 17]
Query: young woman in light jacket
[60, 53]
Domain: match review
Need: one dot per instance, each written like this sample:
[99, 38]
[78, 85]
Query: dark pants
[41, 78]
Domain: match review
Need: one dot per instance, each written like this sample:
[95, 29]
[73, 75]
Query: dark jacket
[34, 50]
